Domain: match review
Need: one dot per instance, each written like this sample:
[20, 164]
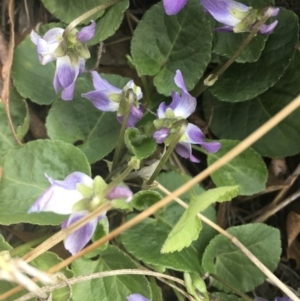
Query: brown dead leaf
[293, 229]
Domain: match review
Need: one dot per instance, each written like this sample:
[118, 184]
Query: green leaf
[151, 233]
[31, 78]
[20, 118]
[142, 146]
[248, 170]
[229, 120]
[224, 259]
[109, 21]
[162, 44]
[225, 297]
[94, 132]
[189, 225]
[23, 179]
[112, 287]
[144, 199]
[227, 44]
[242, 82]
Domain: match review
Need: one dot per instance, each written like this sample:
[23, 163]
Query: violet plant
[134, 123]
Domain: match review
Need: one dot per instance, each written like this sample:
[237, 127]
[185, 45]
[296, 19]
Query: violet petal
[211, 147]
[87, 32]
[194, 134]
[135, 115]
[275, 11]
[172, 7]
[161, 135]
[161, 110]
[100, 84]
[56, 83]
[179, 81]
[224, 29]
[54, 35]
[184, 105]
[136, 297]
[72, 180]
[120, 192]
[68, 93]
[78, 239]
[184, 150]
[285, 298]
[56, 199]
[81, 65]
[221, 10]
[66, 72]
[267, 29]
[101, 101]
[34, 37]
[131, 85]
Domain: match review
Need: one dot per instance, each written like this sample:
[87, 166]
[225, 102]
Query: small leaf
[144, 199]
[189, 226]
[224, 259]
[142, 146]
[162, 44]
[112, 287]
[247, 170]
[23, 179]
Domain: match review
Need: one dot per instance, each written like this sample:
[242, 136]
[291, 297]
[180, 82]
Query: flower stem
[119, 178]
[169, 151]
[88, 14]
[215, 74]
[128, 99]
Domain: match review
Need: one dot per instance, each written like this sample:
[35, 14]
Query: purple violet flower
[69, 52]
[63, 197]
[181, 107]
[107, 98]
[237, 17]
[136, 297]
[172, 7]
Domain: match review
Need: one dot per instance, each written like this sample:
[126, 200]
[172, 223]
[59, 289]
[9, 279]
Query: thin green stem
[88, 14]
[116, 181]
[169, 151]
[128, 99]
[215, 74]
[244, 296]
